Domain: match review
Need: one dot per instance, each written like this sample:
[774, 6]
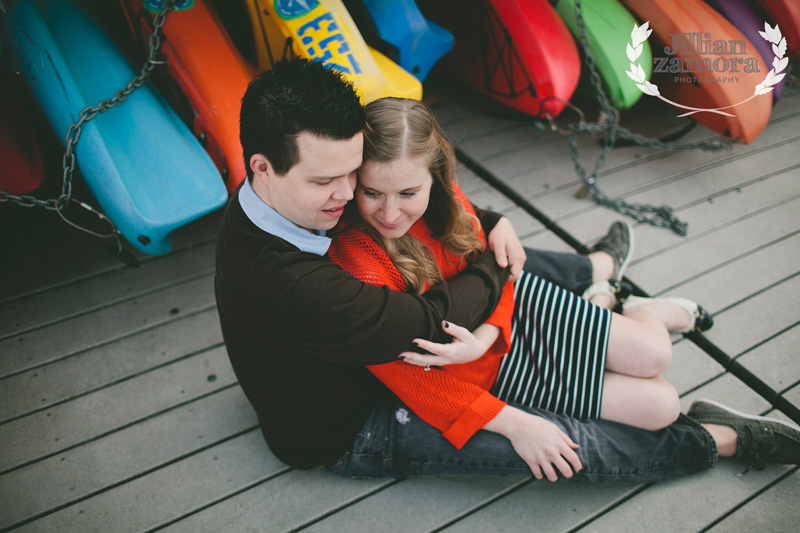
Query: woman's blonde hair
[399, 128]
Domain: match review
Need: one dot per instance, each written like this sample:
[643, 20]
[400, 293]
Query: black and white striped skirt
[558, 350]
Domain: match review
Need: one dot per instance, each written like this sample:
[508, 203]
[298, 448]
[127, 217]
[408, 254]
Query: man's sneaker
[618, 243]
[760, 440]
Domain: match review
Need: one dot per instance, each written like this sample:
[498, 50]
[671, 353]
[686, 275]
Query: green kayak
[608, 28]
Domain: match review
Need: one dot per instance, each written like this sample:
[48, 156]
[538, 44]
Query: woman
[543, 346]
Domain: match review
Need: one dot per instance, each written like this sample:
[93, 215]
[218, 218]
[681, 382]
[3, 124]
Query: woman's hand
[541, 444]
[507, 248]
[466, 346]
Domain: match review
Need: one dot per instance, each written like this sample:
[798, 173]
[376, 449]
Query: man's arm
[502, 240]
[329, 314]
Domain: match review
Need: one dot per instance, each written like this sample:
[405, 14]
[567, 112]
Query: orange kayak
[692, 69]
[211, 74]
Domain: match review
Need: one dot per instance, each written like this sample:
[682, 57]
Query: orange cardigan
[453, 398]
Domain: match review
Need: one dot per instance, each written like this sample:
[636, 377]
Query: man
[299, 330]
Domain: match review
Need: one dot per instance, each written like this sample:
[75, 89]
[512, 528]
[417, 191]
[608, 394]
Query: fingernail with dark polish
[402, 358]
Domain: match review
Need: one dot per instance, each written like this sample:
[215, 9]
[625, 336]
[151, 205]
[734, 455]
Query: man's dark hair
[296, 96]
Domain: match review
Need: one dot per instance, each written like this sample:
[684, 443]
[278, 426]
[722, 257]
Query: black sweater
[299, 330]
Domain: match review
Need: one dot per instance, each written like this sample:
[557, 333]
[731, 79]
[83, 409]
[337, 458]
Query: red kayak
[786, 13]
[19, 147]
[211, 74]
[518, 52]
[691, 72]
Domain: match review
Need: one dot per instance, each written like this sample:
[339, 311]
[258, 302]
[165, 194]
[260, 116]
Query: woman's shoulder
[355, 251]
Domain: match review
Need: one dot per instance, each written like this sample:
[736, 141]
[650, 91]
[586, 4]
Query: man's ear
[261, 167]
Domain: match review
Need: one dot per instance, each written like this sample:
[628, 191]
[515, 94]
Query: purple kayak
[746, 21]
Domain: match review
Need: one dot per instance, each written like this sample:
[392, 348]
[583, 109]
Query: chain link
[660, 216]
[74, 132]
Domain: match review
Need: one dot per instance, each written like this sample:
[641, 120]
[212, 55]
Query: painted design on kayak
[319, 36]
[156, 6]
[292, 9]
[640, 34]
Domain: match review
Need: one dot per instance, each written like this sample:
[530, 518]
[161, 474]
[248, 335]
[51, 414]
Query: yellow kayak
[322, 30]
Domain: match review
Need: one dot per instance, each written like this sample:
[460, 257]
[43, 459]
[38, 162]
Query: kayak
[20, 150]
[517, 52]
[142, 164]
[786, 13]
[322, 30]
[689, 72]
[608, 26]
[398, 30]
[739, 14]
[210, 74]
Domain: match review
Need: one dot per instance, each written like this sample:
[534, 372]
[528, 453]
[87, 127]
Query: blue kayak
[398, 30]
[143, 165]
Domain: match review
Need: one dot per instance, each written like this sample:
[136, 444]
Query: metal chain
[74, 133]
[660, 216]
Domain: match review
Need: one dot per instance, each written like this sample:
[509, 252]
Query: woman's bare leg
[638, 345]
[647, 403]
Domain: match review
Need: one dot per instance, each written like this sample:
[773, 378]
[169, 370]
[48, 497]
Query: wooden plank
[757, 319]
[66, 425]
[775, 509]
[96, 466]
[716, 247]
[65, 379]
[165, 494]
[542, 506]
[691, 367]
[283, 503]
[419, 504]
[775, 361]
[793, 395]
[524, 224]
[78, 257]
[27, 313]
[744, 275]
[56, 341]
[687, 504]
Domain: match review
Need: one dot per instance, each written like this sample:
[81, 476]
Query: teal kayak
[142, 164]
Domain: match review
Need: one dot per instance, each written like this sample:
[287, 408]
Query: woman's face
[391, 197]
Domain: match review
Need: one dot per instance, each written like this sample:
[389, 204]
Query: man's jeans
[395, 443]
[569, 271]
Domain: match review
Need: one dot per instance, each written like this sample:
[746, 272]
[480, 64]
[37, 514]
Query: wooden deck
[119, 410]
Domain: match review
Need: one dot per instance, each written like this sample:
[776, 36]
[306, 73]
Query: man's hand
[507, 248]
[539, 442]
[466, 346]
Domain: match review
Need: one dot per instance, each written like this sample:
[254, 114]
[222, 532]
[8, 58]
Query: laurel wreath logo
[773, 35]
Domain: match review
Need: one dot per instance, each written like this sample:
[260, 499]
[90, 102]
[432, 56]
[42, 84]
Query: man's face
[313, 193]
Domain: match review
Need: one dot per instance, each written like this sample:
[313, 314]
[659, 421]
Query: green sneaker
[618, 243]
[760, 440]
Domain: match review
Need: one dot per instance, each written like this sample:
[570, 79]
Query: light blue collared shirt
[269, 220]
